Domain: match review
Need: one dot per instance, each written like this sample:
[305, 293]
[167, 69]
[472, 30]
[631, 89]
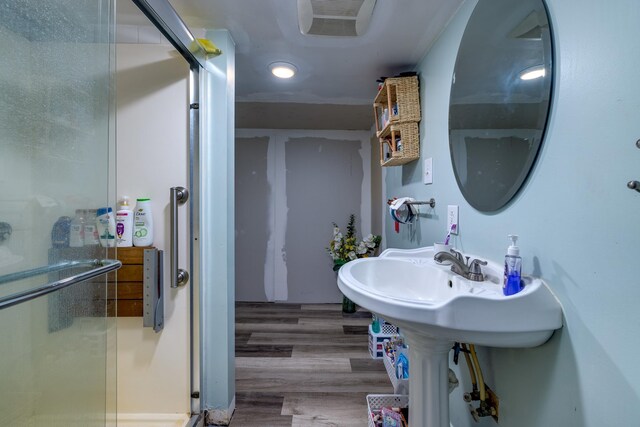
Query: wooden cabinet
[396, 109]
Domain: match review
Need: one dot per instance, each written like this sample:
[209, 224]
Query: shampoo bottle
[512, 268]
[106, 227]
[124, 224]
[143, 223]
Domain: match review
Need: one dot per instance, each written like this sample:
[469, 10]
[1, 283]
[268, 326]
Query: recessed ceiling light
[283, 70]
[532, 73]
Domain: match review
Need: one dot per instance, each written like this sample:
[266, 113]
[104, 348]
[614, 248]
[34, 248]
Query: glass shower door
[57, 351]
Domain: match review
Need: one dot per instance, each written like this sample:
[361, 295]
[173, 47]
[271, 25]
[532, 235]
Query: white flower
[336, 231]
[337, 237]
[362, 249]
[352, 255]
[368, 241]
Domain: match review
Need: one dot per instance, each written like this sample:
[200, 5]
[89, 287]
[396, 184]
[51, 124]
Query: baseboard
[152, 420]
[221, 417]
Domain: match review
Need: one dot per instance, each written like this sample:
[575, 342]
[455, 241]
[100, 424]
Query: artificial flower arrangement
[345, 248]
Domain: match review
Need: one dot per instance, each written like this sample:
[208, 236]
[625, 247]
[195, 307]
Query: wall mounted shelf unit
[396, 109]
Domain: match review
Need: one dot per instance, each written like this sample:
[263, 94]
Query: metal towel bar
[103, 267]
[431, 202]
[179, 276]
[52, 268]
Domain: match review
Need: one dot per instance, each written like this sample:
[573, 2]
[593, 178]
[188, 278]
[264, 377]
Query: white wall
[312, 178]
[152, 144]
[577, 221]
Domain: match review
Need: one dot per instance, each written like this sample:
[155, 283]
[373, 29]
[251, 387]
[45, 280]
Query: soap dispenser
[512, 268]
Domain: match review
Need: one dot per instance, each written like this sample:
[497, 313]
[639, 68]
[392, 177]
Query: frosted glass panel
[57, 352]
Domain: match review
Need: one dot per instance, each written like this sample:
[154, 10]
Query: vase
[348, 306]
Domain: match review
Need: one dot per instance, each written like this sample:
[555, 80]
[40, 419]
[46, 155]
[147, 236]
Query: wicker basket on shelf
[407, 96]
[392, 155]
[401, 93]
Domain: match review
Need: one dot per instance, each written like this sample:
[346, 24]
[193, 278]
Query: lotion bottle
[124, 224]
[512, 268]
[143, 223]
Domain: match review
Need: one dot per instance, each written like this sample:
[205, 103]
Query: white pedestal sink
[434, 307]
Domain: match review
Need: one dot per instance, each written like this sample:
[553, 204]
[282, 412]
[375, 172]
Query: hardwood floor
[303, 365]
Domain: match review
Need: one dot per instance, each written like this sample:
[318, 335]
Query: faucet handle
[474, 267]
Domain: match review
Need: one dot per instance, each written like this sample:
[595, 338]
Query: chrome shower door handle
[179, 196]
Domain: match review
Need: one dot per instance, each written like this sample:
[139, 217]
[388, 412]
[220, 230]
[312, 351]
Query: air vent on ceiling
[343, 18]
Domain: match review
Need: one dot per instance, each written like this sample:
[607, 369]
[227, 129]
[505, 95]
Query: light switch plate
[427, 171]
[452, 218]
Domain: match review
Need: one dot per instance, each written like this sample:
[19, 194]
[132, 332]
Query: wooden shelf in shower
[120, 299]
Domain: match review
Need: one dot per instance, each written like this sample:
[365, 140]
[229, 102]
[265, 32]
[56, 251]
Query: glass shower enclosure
[57, 341]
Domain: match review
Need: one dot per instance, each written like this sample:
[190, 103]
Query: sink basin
[435, 307]
[412, 291]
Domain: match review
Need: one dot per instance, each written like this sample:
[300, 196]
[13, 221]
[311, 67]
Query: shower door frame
[162, 15]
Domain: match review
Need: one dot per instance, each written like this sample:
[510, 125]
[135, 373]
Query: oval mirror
[500, 99]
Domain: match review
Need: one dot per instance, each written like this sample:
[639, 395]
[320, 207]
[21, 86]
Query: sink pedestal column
[428, 381]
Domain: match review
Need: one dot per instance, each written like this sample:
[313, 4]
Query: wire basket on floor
[375, 403]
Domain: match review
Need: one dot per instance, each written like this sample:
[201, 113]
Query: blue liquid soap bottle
[512, 268]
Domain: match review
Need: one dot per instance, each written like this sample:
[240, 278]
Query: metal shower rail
[101, 267]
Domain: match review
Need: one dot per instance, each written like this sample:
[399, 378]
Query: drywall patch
[269, 266]
[281, 212]
[365, 202]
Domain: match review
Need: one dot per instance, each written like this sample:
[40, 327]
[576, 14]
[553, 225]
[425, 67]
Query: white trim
[152, 420]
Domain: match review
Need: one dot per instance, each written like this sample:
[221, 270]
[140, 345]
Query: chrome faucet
[468, 270]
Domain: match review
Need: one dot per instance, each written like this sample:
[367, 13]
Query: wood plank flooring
[303, 366]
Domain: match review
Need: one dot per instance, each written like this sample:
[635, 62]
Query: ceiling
[331, 70]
